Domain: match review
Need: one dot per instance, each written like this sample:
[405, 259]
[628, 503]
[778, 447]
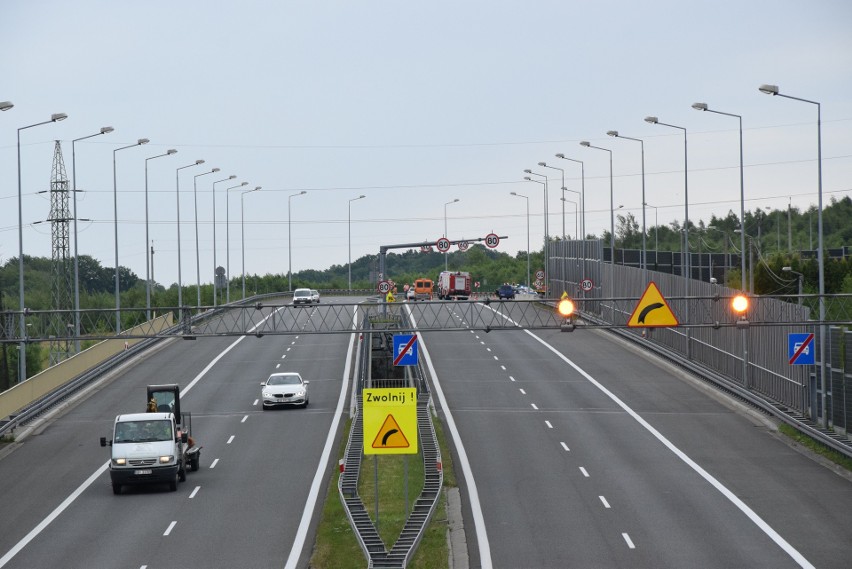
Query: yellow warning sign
[652, 310]
[390, 420]
[390, 435]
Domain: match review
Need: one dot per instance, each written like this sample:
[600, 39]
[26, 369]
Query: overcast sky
[412, 105]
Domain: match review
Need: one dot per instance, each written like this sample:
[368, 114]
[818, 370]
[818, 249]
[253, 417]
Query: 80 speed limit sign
[492, 240]
[443, 244]
[384, 287]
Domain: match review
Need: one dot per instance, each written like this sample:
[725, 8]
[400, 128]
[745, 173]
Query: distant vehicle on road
[423, 289]
[284, 390]
[315, 296]
[453, 285]
[506, 291]
[302, 296]
[410, 294]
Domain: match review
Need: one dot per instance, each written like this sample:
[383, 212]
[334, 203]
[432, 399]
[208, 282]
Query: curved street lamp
[22, 346]
[644, 264]
[290, 242]
[528, 233]
[582, 192]
[446, 253]
[243, 235]
[228, 239]
[147, 237]
[104, 130]
[197, 256]
[177, 196]
[215, 285]
[139, 142]
[774, 91]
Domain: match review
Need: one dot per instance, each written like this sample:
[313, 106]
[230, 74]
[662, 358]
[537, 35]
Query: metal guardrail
[777, 410]
[399, 555]
[77, 383]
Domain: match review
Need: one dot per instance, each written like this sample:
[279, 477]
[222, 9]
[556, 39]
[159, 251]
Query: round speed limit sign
[384, 287]
[443, 244]
[492, 240]
[463, 245]
[587, 285]
[539, 274]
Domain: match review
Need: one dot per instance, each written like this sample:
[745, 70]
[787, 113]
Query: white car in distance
[285, 389]
[302, 296]
[315, 296]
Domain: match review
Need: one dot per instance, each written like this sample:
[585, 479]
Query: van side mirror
[104, 442]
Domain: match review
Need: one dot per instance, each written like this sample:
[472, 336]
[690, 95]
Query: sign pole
[376, 471]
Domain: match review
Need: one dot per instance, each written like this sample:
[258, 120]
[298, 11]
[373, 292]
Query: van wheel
[173, 484]
[182, 474]
[116, 488]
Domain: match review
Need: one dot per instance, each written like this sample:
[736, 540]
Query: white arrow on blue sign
[405, 350]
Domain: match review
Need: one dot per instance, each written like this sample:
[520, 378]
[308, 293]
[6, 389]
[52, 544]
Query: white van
[147, 448]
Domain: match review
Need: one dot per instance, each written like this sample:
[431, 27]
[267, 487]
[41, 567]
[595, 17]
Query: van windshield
[143, 431]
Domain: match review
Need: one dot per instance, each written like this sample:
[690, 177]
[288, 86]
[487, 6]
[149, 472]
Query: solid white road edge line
[473, 494]
[89, 481]
[325, 457]
[751, 514]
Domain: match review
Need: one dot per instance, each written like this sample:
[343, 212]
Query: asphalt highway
[572, 450]
[587, 453]
[243, 508]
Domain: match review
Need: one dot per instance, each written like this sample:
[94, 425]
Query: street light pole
[774, 91]
[349, 226]
[562, 172]
[139, 142]
[22, 346]
[656, 231]
[685, 261]
[704, 107]
[215, 286]
[576, 209]
[611, 227]
[104, 130]
[644, 263]
[228, 239]
[243, 235]
[147, 242]
[582, 193]
[177, 196]
[800, 277]
[446, 253]
[546, 227]
[290, 243]
[528, 233]
[197, 255]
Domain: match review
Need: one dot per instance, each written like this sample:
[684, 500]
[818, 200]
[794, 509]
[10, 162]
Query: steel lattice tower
[62, 269]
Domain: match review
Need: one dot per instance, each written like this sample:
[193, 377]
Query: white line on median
[245, 418]
[628, 540]
[605, 503]
[583, 470]
[565, 447]
[214, 463]
[230, 440]
[473, 493]
[325, 457]
[170, 528]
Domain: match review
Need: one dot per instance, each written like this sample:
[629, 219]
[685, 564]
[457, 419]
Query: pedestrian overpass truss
[276, 316]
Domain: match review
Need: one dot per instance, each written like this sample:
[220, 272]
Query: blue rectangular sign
[405, 350]
[800, 349]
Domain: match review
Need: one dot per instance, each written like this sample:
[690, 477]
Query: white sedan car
[315, 296]
[284, 389]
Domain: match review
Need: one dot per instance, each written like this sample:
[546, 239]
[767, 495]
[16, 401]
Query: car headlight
[166, 459]
[119, 461]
